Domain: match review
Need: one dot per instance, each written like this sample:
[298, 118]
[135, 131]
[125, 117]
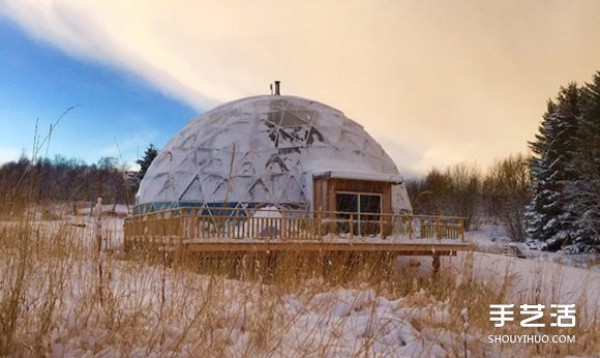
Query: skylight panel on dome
[289, 119]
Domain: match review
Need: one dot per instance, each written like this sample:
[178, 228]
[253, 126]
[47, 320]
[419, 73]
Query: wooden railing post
[320, 225]
[284, 234]
[193, 222]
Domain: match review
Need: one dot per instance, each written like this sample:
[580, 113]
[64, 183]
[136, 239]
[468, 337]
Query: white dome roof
[258, 151]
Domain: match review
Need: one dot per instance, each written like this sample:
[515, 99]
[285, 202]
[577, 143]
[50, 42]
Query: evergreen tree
[551, 212]
[584, 192]
[536, 214]
[144, 163]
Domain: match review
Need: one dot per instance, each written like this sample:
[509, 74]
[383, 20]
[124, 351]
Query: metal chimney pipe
[277, 83]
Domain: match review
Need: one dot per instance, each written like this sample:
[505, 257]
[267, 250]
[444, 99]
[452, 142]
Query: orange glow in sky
[435, 82]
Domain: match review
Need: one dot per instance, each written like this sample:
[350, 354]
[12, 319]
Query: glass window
[364, 209]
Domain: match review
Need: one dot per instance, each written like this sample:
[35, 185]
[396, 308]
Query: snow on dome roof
[259, 151]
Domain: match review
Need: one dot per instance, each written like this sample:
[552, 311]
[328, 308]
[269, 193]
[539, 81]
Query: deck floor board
[427, 249]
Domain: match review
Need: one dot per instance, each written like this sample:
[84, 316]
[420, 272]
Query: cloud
[448, 81]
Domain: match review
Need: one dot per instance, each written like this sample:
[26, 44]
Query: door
[362, 209]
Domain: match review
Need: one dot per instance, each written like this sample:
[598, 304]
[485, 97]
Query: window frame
[345, 215]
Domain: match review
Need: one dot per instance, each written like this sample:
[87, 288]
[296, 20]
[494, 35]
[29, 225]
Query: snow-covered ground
[154, 311]
[493, 239]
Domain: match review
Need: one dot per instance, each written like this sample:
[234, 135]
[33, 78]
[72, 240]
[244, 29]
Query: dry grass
[59, 296]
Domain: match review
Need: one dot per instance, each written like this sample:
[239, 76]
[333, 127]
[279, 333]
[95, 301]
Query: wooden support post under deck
[436, 264]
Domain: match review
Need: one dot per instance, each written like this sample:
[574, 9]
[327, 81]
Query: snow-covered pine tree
[584, 192]
[551, 214]
[536, 216]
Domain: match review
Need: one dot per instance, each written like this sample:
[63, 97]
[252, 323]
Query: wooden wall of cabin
[324, 192]
[320, 190]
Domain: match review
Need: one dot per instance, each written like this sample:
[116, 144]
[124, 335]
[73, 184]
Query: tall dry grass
[54, 301]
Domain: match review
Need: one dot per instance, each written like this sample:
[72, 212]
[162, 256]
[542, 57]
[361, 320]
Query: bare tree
[506, 192]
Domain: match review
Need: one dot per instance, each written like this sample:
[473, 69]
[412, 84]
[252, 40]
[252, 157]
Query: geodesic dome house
[273, 151]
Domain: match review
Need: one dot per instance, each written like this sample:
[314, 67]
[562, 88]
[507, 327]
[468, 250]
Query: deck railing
[176, 226]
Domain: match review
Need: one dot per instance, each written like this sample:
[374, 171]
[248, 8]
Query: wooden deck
[224, 231]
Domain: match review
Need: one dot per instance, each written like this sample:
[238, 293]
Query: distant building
[274, 151]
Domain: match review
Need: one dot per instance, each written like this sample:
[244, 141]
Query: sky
[435, 82]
